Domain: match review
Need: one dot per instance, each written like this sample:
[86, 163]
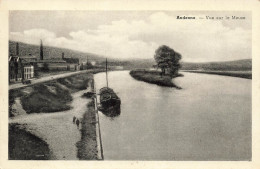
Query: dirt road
[48, 78]
[57, 129]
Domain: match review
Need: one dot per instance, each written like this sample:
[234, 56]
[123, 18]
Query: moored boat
[109, 101]
[111, 111]
[108, 97]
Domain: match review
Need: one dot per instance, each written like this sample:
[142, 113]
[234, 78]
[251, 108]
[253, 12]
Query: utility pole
[41, 51]
[106, 73]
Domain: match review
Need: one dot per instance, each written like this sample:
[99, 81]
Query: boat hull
[109, 101]
[111, 111]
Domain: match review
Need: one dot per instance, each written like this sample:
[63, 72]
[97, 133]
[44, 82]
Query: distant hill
[54, 52]
[51, 52]
[237, 65]
[131, 63]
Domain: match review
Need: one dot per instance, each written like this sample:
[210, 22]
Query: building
[15, 69]
[116, 67]
[72, 63]
[52, 64]
[29, 64]
[28, 72]
[21, 68]
[24, 67]
[58, 64]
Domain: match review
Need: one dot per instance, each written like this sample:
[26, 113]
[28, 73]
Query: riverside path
[48, 78]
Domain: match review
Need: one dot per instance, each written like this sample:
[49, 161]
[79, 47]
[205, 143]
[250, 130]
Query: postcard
[155, 84]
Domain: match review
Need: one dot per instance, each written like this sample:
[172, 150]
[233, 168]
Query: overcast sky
[136, 34]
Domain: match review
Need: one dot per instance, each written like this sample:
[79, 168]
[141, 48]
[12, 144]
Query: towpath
[49, 78]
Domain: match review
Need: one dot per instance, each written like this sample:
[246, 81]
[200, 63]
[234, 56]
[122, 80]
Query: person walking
[74, 119]
[77, 122]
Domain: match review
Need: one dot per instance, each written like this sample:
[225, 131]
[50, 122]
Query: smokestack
[62, 55]
[41, 51]
[17, 48]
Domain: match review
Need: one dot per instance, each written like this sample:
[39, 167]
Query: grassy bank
[153, 77]
[241, 74]
[51, 96]
[54, 132]
[87, 146]
[23, 145]
[46, 98]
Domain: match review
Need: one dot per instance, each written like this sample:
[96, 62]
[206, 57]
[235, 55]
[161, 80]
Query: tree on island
[167, 59]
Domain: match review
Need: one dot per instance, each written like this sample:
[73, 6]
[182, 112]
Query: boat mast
[106, 73]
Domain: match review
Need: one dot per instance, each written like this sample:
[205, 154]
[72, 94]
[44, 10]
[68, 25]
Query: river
[209, 119]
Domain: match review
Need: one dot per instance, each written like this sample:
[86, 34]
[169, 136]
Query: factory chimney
[41, 51]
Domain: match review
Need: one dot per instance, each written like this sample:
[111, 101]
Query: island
[168, 61]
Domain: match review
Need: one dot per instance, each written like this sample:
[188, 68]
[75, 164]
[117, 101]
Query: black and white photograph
[150, 85]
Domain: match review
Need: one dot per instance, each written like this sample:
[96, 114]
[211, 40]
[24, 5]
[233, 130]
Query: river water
[209, 119]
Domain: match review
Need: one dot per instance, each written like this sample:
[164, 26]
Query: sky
[137, 34]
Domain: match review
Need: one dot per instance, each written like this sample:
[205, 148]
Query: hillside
[51, 52]
[238, 65]
[54, 52]
[131, 63]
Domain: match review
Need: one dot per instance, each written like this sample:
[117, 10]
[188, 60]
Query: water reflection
[111, 111]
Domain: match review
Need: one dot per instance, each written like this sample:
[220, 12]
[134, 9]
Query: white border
[206, 5]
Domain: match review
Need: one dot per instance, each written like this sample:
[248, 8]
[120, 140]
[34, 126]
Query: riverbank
[87, 146]
[64, 140]
[46, 97]
[153, 77]
[51, 96]
[33, 147]
[51, 77]
[241, 74]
